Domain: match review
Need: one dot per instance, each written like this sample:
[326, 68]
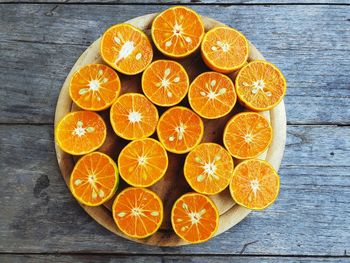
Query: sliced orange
[165, 82]
[260, 85]
[80, 132]
[195, 218]
[212, 95]
[94, 87]
[208, 168]
[247, 135]
[177, 32]
[143, 162]
[224, 49]
[133, 116]
[126, 49]
[180, 129]
[94, 179]
[138, 212]
[255, 184]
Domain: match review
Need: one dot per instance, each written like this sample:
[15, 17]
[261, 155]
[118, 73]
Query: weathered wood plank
[307, 42]
[159, 259]
[184, 2]
[38, 214]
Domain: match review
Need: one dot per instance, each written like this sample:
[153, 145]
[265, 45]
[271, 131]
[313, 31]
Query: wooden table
[310, 41]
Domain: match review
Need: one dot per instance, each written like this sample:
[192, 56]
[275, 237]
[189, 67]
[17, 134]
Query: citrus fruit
[126, 49]
[133, 116]
[94, 87]
[177, 32]
[247, 135]
[165, 82]
[138, 212]
[208, 168]
[94, 179]
[80, 132]
[180, 129]
[224, 49]
[212, 95]
[143, 162]
[255, 184]
[194, 218]
[260, 85]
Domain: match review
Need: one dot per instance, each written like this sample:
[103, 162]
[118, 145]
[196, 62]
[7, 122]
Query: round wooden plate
[173, 184]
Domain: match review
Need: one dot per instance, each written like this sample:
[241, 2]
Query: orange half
[80, 132]
[247, 135]
[126, 49]
[224, 49]
[260, 85]
[94, 87]
[180, 129]
[255, 184]
[138, 212]
[94, 179]
[143, 162]
[165, 82]
[208, 168]
[212, 95]
[133, 116]
[195, 218]
[177, 32]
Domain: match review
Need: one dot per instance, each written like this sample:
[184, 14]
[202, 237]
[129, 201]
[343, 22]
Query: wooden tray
[173, 184]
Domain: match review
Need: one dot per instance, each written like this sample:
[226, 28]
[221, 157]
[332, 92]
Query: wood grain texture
[183, 2]
[315, 39]
[40, 215]
[159, 259]
[292, 37]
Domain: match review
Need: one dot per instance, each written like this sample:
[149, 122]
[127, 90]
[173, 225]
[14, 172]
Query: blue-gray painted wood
[184, 2]
[310, 217]
[310, 220]
[40, 43]
[160, 259]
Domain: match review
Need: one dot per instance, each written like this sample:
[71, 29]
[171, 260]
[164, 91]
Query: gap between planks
[345, 255]
[87, 45]
[288, 124]
[178, 3]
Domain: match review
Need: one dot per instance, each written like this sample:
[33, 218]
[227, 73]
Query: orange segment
[208, 168]
[195, 218]
[165, 82]
[247, 135]
[142, 163]
[212, 95]
[180, 129]
[260, 85]
[138, 212]
[224, 49]
[94, 87]
[177, 32]
[80, 132]
[126, 49]
[94, 179]
[255, 184]
[133, 116]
